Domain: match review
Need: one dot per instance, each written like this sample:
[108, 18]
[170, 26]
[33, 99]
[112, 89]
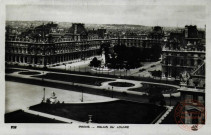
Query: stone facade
[182, 53]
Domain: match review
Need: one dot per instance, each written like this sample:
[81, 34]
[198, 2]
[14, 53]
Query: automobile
[141, 70]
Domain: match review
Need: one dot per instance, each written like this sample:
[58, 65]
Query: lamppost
[43, 95]
[112, 88]
[114, 72]
[96, 70]
[126, 72]
[42, 76]
[43, 88]
[82, 96]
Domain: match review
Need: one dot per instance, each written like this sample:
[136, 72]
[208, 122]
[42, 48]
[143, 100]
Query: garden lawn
[116, 112]
[74, 78]
[9, 71]
[23, 117]
[153, 87]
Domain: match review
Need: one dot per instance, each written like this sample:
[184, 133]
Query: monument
[103, 67]
[53, 99]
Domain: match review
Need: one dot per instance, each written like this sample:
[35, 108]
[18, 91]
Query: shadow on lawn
[114, 112]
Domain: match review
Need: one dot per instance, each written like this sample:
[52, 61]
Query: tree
[95, 62]
[155, 94]
[156, 73]
[156, 51]
[162, 102]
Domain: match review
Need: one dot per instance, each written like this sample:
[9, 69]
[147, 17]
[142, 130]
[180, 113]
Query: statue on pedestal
[184, 77]
[53, 99]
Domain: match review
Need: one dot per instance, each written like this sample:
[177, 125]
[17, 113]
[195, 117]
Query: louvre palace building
[48, 45]
[183, 58]
[184, 52]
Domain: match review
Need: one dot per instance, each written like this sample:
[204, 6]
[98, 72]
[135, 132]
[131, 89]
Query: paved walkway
[169, 109]
[75, 65]
[106, 85]
[82, 66]
[136, 72]
[22, 95]
[51, 116]
[103, 86]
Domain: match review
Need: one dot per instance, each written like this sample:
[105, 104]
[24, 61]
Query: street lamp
[43, 95]
[126, 72]
[82, 96]
[42, 76]
[112, 88]
[43, 88]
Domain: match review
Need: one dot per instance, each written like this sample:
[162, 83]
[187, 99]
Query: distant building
[135, 35]
[92, 34]
[77, 32]
[101, 33]
[156, 33]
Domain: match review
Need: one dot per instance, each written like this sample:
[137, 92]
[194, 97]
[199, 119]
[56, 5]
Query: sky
[149, 15]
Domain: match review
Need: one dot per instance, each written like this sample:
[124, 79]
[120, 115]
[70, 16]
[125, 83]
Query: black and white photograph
[96, 66]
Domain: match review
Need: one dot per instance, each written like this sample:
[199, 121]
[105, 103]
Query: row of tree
[156, 73]
[121, 56]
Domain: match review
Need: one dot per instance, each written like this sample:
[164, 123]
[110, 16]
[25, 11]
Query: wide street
[83, 66]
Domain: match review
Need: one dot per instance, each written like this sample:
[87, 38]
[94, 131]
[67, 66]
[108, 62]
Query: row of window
[182, 62]
[184, 54]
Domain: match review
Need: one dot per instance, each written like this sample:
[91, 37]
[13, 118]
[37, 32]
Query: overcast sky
[107, 14]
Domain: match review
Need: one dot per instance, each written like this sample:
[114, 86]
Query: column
[15, 58]
[170, 72]
[19, 59]
[11, 58]
[23, 59]
[33, 60]
[28, 60]
[43, 61]
[171, 61]
[195, 62]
